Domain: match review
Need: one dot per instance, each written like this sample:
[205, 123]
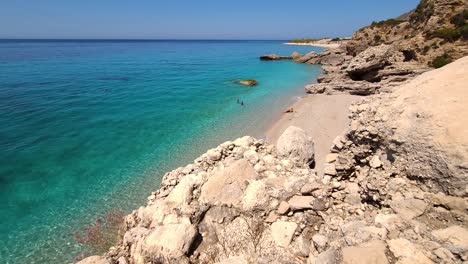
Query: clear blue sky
[192, 19]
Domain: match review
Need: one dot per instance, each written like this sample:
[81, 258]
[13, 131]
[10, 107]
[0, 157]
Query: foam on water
[92, 125]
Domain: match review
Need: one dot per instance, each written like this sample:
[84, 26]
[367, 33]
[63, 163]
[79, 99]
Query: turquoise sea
[86, 126]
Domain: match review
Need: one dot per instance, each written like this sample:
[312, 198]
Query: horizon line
[144, 39]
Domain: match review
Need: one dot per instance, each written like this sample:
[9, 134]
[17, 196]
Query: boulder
[455, 237]
[94, 260]
[370, 59]
[182, 193]
[283, 232]
[408, 208]
[406, 252]
[296, 145]
[227, 185]
[306, 57]
[298, 202]
[320, 241]
[330, 256]
[295, 55]
[173, 240]
[283, 208]
[255, 196]
[369, 253]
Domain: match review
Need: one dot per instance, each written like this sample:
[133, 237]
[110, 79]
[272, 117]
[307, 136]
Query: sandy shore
[322, 116]
[321, 45]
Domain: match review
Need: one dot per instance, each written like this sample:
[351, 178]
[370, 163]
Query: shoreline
[320, 45]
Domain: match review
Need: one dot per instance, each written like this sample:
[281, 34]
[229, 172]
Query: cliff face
[435, 28]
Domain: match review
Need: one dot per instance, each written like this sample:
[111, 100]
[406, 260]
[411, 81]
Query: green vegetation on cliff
[389, 22]
[441, 61]
[303, 40]
[459, 31]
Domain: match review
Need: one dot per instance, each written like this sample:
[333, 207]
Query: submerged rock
[249, 82]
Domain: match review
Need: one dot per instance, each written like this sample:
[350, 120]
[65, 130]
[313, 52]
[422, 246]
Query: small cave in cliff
[370, 76]
[409, 55]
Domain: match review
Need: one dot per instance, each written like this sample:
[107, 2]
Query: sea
[87, 126]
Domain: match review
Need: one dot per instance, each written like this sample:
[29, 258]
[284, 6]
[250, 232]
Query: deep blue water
[92, 125]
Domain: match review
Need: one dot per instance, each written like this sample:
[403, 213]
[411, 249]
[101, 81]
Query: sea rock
[249, 82]
[296, 145]
[274, 57]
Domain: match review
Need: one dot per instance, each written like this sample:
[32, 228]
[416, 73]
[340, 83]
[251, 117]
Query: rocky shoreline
[383, 196]
[393, 188]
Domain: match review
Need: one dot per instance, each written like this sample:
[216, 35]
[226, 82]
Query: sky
[192, 19]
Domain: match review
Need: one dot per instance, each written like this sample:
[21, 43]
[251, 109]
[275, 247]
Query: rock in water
[249, 82]
[296, 145]
[274, 57]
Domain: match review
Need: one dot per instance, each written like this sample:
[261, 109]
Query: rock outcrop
[433, 29]
[270, 57]
[388, 53]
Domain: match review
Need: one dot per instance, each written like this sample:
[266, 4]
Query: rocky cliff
[436, 28]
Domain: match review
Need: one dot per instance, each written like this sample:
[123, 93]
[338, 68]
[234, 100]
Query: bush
[304, 40]
[377, 38]
[449, 34]
[426, 49]
[441, 61]
[423, 11]
[103, 233]
[464, 31]
[459, 19]
[389, 22]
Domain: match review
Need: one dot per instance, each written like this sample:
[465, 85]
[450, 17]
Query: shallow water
[92, 125]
